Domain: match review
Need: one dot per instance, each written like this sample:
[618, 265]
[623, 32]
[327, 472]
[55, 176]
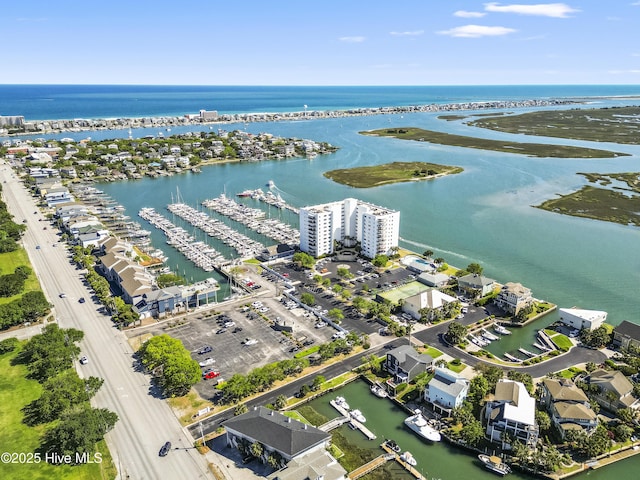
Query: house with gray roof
[626, 335]
[446, 390]
[474, 285]
[404, 363]
[615, 392]
[568, 406]
[319, 464]
[276, 432]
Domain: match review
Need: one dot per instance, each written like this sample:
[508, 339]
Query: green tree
[427, 254]
[317, 382]
[304, 259]
[240, 409]
[256, 449]
[308, 299]
[478, 389]
[336, 314]
[474, 268]
[456, 332]
[472, 432]
[543, 420]
[344, 273]
[51, 352]
[380, 261]
[280, 403]
[78, 431]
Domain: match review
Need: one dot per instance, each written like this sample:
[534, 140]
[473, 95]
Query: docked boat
[271, 184]
[245, 193]
[501, 330]
[341, 402]
[408, 458]
[495, 464]
[393, 446]
[378, 391]
[421, 426]
[357, 415]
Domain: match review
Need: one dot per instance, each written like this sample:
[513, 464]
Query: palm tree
[427, 253]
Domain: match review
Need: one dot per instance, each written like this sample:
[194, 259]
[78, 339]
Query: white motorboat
[379, 391]
[408, 458]
[421, 426]
[341, 402]
[357, 415]
[501, 330]
[495, 464]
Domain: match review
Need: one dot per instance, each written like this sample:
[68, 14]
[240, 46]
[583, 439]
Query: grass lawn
[8, 263]
[456, 368]
[15, 392]
[433, 352]
[296, 416]
[562, 341]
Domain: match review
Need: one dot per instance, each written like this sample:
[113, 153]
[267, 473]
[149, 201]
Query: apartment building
[349, 221]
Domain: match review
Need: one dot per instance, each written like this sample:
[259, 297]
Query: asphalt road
[146, 421]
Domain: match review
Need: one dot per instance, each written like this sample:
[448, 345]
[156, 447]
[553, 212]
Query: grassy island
[376, 175]
[529, 149]
[614, 124]
[615, 204]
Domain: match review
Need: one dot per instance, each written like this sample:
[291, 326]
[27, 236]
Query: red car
[210, 374]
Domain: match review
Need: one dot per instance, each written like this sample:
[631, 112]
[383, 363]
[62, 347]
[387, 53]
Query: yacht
[408, 458]
[357, 415]
[271, 184]
[494, 464]
[419, 424]
[341, 402]
[501, 330]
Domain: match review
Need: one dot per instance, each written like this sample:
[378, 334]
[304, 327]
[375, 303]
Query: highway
[145, 421]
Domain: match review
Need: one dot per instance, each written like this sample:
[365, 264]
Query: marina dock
[370, 466]
[412, 470]
[333, 424]
[354, 423]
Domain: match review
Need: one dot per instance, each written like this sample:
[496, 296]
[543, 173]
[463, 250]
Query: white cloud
[466, 14]
[556, 10]
[621, 72]
[414, 33]
[475, 31]
[352, 39]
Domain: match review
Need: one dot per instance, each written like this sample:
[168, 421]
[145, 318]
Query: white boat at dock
[419, 424]
[341, 402]
[378, 390]
[527, 352]
[408, 458]
[357, 415]
[501, 330]
[489, 336]
[495, 464]
[511, 358]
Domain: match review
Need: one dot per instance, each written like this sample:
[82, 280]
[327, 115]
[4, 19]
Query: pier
[370, 466]
[354, 423]
[412, 470]
[332, 424]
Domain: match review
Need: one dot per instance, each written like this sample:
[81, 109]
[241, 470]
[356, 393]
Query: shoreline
[54, 126]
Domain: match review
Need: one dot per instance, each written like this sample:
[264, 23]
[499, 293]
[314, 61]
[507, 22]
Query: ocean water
[42, 102]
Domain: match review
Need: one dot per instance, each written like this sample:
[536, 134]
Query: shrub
[8, 345]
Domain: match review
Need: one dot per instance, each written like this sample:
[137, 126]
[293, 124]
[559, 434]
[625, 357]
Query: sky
[320, 42]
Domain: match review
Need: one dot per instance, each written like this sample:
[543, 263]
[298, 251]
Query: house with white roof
[431, 298]
[582, 319]
[512, 411]
[446, 390]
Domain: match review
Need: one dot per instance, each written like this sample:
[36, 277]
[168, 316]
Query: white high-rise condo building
[348, 221]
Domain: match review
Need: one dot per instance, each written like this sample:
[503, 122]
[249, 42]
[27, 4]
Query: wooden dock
[369, 466]
[357, 425]
[412, 470]
[335, 423]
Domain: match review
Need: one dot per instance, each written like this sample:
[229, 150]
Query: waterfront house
[568, 406]
[582, 319]
[431, 299]
[434, 279]
[615, 390]
[626, 335]
[512, 411]
[404, 363]
[513, 297]
[474, 285]
[276, 432]
[446, 390]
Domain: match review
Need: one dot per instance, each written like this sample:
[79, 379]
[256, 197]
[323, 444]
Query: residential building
[433, 279]
[512, 412]
[626, 335]
[404, 363]
[582, 319]
[513, 297]
[348, 221]
[317, 465]
[432, 299]
[446, 390]
[276, 432]
[568, 406]
[474, 285]
[615, 391]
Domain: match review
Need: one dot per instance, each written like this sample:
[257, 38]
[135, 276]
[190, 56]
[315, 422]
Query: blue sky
[327, 42]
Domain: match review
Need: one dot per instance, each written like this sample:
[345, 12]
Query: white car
[264, 310]
[206, 362]
[320, 324]
[229, 324]
[250, 341]
[84, 360]
[257, 304]
[338, 335]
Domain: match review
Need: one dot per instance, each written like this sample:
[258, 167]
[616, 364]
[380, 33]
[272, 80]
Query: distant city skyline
[287, 42]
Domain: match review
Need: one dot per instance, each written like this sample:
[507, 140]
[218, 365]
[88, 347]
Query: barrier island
[543, 150]
[376, 175]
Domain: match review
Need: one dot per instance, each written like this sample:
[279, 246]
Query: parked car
[206, 362]
[81, 300]
[210, 374]
[164, 450]
[62, 295]
[236, 330]
[221, 330]
[229, 324]
[205, 349]
[84, 360]
[250, 341]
